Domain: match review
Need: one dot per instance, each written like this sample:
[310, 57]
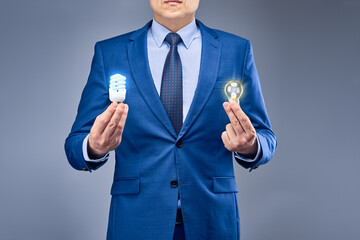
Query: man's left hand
[240, 134]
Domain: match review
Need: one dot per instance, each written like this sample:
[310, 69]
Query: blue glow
[117, 82]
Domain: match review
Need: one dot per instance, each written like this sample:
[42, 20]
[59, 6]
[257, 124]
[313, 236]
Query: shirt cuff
[85, 152]
[242, 158]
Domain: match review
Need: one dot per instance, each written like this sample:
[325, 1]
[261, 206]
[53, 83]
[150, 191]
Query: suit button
[179, 144]
[174, 183]
[84, 168]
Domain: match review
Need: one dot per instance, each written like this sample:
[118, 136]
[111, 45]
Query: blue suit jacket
[151, 155]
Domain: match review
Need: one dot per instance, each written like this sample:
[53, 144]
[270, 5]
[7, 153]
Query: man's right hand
[105, 134]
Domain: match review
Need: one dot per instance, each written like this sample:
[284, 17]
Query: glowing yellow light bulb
[233, 91]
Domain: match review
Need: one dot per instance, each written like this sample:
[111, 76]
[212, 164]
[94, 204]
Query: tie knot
[173, 39]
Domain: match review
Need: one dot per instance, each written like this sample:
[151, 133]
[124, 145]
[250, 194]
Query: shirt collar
[187, 33]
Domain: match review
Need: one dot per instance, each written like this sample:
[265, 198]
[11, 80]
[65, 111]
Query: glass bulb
[233, 91]
[117, 88]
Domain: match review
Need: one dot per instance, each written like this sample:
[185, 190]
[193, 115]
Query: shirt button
[174, 183]
[179, 144]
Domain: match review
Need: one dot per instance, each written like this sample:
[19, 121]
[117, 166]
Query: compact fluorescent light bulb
[117, 88]
[233, 91]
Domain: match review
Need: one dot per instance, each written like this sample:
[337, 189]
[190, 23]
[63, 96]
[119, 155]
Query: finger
[120, 127]
[110, 128]
[233, 119]
[103, 119]
[231, 132]
[242, 117]
[226, 140]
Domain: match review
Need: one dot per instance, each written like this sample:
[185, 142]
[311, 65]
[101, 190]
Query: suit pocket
[125, 186]
[224, 185]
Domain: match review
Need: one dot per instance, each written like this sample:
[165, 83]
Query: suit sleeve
[94, 100]
[253, 105]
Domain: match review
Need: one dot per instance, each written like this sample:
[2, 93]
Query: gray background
[308, 58]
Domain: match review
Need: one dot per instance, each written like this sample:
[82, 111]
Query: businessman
[175, 136]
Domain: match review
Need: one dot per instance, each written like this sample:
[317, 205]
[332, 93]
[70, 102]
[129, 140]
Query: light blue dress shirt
[190, 54]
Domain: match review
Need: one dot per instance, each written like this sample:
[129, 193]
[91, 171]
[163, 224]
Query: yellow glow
[233, 91]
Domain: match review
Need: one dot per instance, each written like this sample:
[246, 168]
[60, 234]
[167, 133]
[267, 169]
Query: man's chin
[172, 9]
[175, 15]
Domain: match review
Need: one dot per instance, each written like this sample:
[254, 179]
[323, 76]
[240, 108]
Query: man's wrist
[94, 154]
[248, 158]
[252, 151]
[86, 155]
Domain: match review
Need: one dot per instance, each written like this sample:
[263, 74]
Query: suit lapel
[210, 59]
[139, 66]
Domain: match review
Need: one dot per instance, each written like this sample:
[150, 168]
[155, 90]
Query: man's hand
[105, 134]
[240, 135]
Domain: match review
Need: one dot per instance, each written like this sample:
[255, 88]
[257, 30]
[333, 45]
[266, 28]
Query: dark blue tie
[171, 93]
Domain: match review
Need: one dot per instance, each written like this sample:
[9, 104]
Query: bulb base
[117, 96]
[234, 100]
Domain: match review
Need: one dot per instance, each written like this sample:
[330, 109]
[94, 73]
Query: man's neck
[174, 25]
